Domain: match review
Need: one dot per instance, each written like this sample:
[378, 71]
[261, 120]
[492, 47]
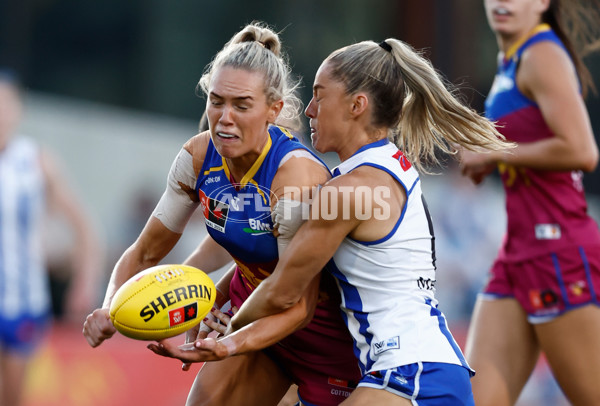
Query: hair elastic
[385, 46]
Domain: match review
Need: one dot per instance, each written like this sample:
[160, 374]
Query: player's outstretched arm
[253, 337]
[309, 251]
[159, 236]
[153, 244]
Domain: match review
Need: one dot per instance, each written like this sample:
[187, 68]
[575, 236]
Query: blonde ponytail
[432, 117]
[410, 98]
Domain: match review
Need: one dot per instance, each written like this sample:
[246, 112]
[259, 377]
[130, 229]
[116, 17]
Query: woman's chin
[315, 143]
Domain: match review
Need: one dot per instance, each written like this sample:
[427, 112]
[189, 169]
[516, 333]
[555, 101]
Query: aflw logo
[389, 344]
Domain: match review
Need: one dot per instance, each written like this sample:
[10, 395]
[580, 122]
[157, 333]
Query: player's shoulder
[197, 147]
[542, 63]
[544, 54]
[198, 143]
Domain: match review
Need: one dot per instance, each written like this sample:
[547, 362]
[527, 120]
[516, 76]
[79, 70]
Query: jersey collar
[515, 47]
[255, 166]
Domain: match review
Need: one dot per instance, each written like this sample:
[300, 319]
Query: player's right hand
[98, 327]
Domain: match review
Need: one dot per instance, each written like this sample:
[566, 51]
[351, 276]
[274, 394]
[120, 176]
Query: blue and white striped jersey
[388, 285]
[23, 277]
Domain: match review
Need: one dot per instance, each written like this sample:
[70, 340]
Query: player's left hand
[222, 324]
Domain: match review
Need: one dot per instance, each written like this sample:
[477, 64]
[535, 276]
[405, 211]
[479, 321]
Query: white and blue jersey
[388, 285]
[23, 278]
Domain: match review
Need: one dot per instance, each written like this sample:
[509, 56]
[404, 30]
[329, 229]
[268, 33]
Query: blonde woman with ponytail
[543, 291]
[386, 112]
[236, 172]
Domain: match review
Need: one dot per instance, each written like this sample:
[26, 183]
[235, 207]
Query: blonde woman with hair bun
[237, 171]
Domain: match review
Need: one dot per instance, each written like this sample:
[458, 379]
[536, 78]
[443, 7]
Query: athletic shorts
[315, 387]
[23, 334]
[320, 357]
[549, 285]
[425, 383]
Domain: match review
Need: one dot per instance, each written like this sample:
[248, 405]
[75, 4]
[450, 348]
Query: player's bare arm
[555, 89]
[159, 236]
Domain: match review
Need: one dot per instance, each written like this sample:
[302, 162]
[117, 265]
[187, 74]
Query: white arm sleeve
[175, 207]
[288, 215]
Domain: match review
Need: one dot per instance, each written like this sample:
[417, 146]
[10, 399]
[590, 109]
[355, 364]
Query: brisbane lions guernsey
[238, 217]
[546, 210]
[387, 286]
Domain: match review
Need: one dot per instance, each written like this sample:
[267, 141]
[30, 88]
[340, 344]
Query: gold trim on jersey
[213, 169]
[255, 166]
[515, 47]
[248, 177]
[286, 132]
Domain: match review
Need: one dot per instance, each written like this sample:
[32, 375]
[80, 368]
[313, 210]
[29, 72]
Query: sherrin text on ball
[162, 302]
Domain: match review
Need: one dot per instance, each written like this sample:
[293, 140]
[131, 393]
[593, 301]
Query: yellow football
[162, 302]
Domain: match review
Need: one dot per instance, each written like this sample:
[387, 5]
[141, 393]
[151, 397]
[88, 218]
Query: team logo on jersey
[502, 83]
[385, 345]
[404, 162]
[577, 288]
[547, 231]
[221, 204]
[215, 212]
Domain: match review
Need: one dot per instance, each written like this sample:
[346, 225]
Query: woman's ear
[274, 111]
[543, 5]
[360, 102]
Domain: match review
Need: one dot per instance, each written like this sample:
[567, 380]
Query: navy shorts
[23, 334]
[425, 383]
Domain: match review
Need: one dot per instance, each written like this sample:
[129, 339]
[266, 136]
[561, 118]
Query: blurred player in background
[31, 187]
[543, 290]
[236, 172]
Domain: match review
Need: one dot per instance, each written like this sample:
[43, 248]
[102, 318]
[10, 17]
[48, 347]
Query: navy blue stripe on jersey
[407, 191]
[446, 332]
[588, 274]
[350, 295]
[430, 223]
[375, 144]
[345, 317]
[561, 282]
